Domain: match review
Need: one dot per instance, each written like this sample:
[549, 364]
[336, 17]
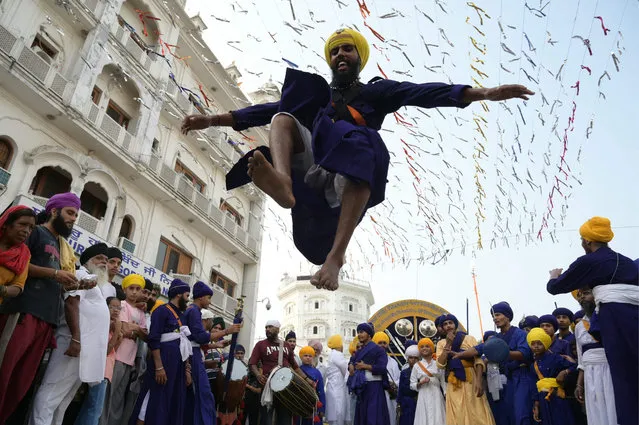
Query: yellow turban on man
[426, 341]
[347, 36]
[307, 351]
[379, 337]
[133, 279]
[335, 341]
[156, 305]
[538, 334]
[597, 229]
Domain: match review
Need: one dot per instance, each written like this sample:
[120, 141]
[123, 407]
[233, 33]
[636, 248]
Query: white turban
[412, 351]
[274, 323]
[207, 314]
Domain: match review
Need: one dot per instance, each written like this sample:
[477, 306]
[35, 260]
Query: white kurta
[431, 409]
[599, 394]
[393, 375]
[65, 374]
[336, 392]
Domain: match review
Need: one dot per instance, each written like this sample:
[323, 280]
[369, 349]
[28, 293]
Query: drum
[293, 392]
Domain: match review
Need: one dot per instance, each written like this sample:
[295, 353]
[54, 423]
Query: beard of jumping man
[346, 69]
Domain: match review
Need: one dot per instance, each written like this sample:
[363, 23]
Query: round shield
[496, 350]
[427, 328]
[404, 327]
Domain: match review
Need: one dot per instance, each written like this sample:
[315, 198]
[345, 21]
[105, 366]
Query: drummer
[267, 352]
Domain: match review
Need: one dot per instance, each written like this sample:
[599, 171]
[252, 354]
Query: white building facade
[319, 314]
[92, 94]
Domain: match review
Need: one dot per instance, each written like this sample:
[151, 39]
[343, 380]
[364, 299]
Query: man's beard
[182, 304]
[589, 307]
[60, 227]
[100, 271]
[346, 78]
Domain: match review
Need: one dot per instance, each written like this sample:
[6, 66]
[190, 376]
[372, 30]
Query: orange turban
[348, 36]
[597, 229]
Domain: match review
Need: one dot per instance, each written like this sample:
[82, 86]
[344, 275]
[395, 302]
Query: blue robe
[568, 338]
[340, 146]
[371, 408]
[617, 322]
[316, 376]
[557, 410]
[200, 403]
[166, 402]
[514, 406]
[406, 398]
[560, 346]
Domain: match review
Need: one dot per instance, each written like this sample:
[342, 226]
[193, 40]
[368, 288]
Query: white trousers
[52, 399]
[599, 394]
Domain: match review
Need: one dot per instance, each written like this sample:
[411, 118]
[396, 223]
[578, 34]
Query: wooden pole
[481, 325]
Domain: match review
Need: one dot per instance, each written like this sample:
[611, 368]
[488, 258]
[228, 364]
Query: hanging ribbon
[603, 27]
[143, 16]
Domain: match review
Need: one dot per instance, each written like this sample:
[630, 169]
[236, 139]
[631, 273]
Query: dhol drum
[227, 409]
[293, 392]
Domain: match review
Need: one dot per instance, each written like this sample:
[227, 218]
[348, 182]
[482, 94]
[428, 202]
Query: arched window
[94, 200]
[126, 229]
[354, 333]
[6, 153]
[314, 330]
[50, 180]
[316, 305]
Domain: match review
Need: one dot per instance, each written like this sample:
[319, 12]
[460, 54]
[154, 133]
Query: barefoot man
[326, 160]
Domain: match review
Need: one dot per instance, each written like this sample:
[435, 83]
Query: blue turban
[549, 318]
[438, 320]
[579, 315]
[448, 316]
[563, 311]
[489, 334]
[201, 289]
[503, 308]
[529, 322]
[409, 342]
[178, 287]
[239, 347]
[290, 335]
[366, 327]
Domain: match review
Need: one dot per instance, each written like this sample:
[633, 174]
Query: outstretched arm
[241, 119]
[504, 92]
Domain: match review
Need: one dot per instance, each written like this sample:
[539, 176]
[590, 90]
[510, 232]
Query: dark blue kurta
[557, 410]
[406, 398]
[200, 403]
[515, 400]
[617, 322]
[340, 147]
[316, 376]
[166, 402]
[371, 408]
[560, 346]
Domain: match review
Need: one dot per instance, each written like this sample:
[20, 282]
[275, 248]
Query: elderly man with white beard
[81, 340]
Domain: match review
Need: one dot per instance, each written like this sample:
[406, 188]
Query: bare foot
[327, 277]
[275, 184]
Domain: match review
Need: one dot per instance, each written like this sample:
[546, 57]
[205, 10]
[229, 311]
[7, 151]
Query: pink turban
[62, 200]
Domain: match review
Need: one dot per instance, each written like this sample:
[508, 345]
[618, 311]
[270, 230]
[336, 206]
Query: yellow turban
[426, 341]
[347, 36]
[597, 229]
[575, 294]
[156, 305]
[353, 346]
[308, 350]
[538, 334]
[132, 279]
[379, 337]
[335, 341]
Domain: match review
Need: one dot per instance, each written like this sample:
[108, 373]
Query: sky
[433, 207]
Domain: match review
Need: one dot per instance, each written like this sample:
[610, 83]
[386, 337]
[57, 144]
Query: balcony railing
[4, 177]
[111, 129]
[205, 205]
[36, 67]
[125, 38]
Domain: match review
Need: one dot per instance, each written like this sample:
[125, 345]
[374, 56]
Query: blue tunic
[557, 410]
[406, 398]
[166, 402]
[200, 403]
[619, 338]
[371, 408]
[339, 146]
[316, 376]
[515, 400]
[560, 346]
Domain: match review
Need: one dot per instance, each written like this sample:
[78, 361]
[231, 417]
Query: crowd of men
[118, 355]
